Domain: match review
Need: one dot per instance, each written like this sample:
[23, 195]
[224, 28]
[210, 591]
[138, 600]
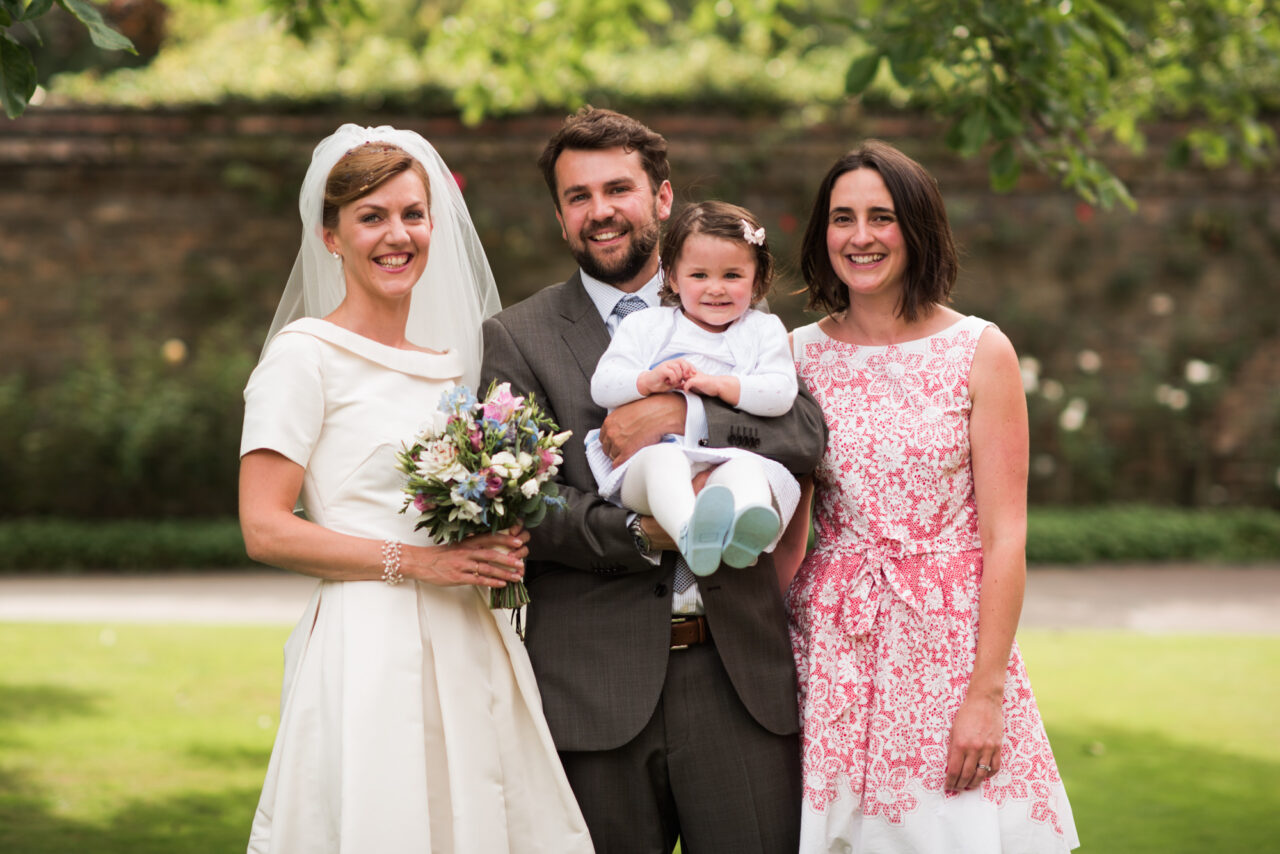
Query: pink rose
[421, 504]
[492, 483]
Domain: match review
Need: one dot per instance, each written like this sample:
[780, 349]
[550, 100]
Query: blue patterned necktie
[629, 305]
[684, 576]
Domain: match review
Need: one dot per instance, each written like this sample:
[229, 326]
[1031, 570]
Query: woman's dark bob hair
[932, 262]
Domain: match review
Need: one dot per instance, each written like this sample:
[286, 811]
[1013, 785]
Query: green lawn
[154, 739]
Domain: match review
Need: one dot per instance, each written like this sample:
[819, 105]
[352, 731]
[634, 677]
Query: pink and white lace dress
[884, 616]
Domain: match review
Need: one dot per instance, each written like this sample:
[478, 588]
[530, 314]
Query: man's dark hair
[595, 129]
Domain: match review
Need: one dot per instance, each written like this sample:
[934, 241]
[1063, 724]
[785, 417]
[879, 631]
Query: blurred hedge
[146, 430]
[127, 545]
[1134, 533]
[1091, 535]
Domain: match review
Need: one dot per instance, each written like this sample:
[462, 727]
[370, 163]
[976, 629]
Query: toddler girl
[706, 339]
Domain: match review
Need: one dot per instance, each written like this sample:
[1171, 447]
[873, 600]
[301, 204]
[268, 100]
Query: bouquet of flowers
[483, 467]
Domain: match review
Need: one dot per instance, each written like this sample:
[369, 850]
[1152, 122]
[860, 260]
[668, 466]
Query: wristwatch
[643, 544]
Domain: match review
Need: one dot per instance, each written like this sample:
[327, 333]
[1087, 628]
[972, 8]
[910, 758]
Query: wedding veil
[456, 291]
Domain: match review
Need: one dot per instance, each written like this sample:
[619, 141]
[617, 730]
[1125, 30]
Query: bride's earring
[336, 257]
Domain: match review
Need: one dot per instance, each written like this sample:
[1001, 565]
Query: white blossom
[1029, 366]
[1052, 390]
[1089, 361]
[1072, 418]
[439, 460]
[1199, 372]
[506, 465]
[1172, 397]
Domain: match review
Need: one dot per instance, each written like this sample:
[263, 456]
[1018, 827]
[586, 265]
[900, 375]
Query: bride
[409, 719]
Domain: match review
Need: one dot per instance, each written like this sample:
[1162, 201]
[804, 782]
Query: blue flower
[473, 487]
[457, 399]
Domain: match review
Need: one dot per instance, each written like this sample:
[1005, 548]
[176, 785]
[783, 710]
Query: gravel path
[1160, 598]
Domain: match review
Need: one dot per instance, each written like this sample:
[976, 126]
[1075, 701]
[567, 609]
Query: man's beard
[644, 240]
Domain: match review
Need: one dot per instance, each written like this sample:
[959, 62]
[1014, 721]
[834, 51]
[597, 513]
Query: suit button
[660, 590]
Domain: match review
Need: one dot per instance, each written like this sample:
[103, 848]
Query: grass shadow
[191, 823]
[20, 703]
[222, 756]
[1137, 792]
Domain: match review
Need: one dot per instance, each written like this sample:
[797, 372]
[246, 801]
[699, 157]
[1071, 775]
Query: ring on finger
[986, 769]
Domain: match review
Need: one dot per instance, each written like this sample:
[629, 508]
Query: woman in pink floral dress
[921, 733]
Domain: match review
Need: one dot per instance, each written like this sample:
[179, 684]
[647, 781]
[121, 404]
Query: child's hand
[724, 386]
[668, 376]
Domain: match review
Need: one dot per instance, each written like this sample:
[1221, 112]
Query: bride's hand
[485, 560]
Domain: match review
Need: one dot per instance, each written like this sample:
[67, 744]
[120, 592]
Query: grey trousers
[701, 769]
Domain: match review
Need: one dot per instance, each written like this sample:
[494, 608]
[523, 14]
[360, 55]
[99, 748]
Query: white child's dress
[410, 721]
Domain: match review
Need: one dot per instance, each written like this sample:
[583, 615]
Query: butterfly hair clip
[754, 236]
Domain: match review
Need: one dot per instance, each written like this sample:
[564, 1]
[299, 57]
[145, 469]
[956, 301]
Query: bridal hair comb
[754, 236]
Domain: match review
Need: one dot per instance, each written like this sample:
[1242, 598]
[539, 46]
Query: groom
[673, 707]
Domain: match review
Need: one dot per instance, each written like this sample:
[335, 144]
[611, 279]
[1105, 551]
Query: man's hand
[641, 423]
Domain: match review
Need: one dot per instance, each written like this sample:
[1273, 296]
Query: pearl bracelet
[391, 562]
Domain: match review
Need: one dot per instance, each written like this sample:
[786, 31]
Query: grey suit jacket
[599, 620]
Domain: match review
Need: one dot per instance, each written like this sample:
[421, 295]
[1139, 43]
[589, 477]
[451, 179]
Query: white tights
[659, 479]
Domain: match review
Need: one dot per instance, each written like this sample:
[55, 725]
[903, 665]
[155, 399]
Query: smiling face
[609, 213]
[714, 279]
[383, 239]
[864, 240]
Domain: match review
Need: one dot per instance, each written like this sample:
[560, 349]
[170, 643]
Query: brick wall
[169, 222]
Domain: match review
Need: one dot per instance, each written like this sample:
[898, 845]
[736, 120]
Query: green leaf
[861, 72]
[1004, 169]
[535, 518]
[1007, 122]
[35, 10]
[103, 36]
[968, 134]
[17, 76]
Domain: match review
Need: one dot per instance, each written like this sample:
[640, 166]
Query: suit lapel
[586, 335]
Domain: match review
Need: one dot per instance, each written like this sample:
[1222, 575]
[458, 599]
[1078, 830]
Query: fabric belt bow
[875, 581]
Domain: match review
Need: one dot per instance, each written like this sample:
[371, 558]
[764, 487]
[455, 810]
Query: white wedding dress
[410, 720]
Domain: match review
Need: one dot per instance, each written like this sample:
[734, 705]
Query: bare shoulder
[995, 365]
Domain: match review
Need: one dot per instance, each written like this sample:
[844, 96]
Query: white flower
[506, 465]
[1088, 361]
[527, 462]
[439, 421]
[529, 488]
[1172, 397]
[464, 508]
[1072, 418]
[1052, 390]
[1199, 373]
[439, 460]
[1029, 366]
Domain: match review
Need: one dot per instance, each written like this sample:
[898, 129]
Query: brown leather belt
[688, 631]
